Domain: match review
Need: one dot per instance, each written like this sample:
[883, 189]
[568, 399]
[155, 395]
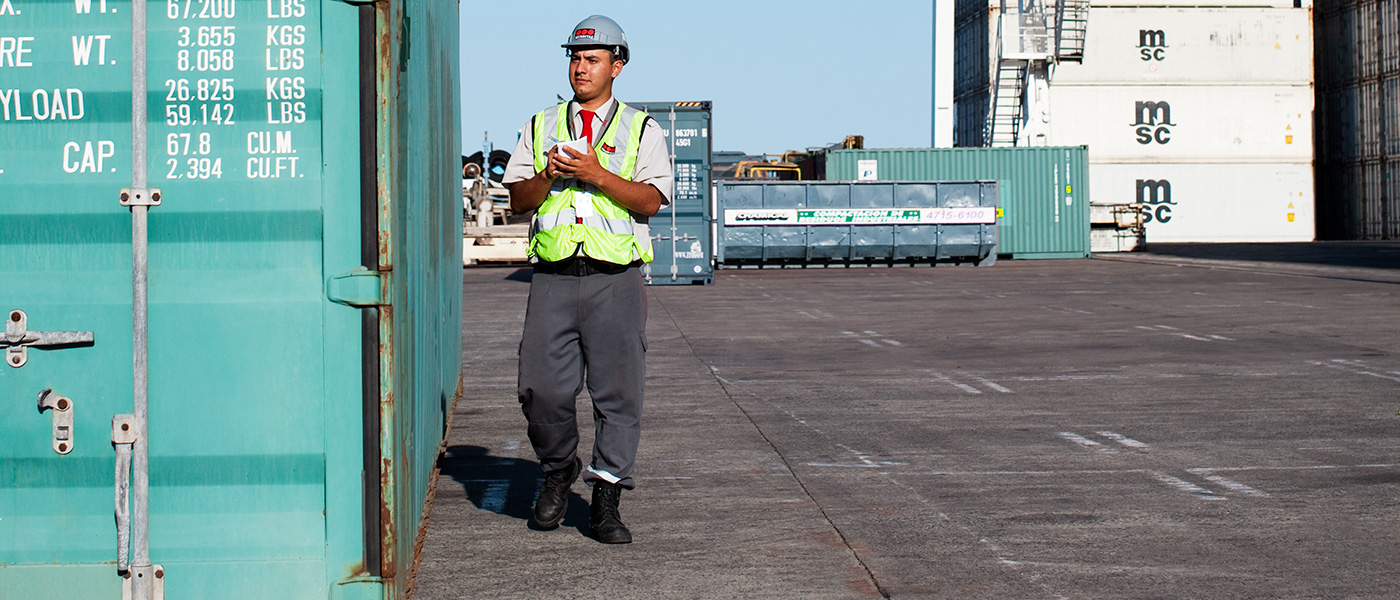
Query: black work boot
[554, 495]
[604, 521]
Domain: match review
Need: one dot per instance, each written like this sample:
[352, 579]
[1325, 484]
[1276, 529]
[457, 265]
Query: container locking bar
[18, 339]
[139, 198]
[62, 419]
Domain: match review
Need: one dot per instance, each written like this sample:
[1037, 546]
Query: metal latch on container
[360, 287]
[139, 197]
[157, 575]
[62, 419]
[18, 339]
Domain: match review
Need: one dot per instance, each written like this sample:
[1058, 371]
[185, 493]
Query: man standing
[586, 317]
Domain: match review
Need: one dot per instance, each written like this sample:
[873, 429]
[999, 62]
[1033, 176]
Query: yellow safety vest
[607, 231]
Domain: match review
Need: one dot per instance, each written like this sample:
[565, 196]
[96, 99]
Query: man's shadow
[505, 486]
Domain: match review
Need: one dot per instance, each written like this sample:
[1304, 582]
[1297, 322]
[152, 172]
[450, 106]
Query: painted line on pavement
[1123, 439]
[1186, 486]
[1229, 484]
[994, 386]
[1354, 367]
[868, 339]
[1303, 467]
[1086, 442]
[1055, 473]
[953, 382]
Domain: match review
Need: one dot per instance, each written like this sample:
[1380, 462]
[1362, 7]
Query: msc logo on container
[1152, 44]
[1153, 122]
[1155, 196]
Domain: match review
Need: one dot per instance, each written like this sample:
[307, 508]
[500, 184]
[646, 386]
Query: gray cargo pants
[577, 328]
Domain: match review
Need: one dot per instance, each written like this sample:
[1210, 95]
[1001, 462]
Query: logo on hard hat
[584, 32]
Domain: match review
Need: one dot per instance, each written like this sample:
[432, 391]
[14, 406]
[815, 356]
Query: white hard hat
[599, 31]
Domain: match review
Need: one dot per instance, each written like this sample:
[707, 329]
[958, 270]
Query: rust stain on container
[388, 558]
[355, 570]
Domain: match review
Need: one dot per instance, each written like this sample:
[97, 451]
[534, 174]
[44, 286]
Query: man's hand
[585, 168]
[641, 198]
[527, 195]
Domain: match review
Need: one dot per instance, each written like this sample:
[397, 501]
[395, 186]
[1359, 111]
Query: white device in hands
[583, 201]
[577, 148]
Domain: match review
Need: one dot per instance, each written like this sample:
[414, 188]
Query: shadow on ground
[1370, 255]
[503, 485]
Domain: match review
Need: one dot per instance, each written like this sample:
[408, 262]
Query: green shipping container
[1044, 192]
[304, 293]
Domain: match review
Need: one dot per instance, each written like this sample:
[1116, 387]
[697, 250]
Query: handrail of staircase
[990, 129]
[1059, 26]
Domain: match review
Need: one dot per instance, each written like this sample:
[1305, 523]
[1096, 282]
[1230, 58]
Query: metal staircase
[1030, 41]
[1008, 97]
[1071, 29]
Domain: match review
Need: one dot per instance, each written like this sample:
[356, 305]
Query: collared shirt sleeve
[654, 161]
[522, 160]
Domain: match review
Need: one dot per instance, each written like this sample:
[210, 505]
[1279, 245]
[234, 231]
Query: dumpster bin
[844, 223]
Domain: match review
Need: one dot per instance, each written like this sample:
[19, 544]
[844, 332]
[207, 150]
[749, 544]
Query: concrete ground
[1193, 422]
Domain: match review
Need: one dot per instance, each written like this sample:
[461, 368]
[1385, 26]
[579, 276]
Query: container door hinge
[62, 419]
[360, 287]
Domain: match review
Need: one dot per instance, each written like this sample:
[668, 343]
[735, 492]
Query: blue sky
[782, 75]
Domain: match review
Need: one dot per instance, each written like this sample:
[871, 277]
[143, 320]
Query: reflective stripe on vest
[608, 231]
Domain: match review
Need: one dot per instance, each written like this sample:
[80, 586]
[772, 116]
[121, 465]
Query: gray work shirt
[653, 158]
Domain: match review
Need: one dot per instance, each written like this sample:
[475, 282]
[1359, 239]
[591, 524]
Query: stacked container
[1202, 115]
[1358, 100]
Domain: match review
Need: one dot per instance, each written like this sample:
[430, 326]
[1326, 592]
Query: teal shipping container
[682, 234]
[233, 323]
[1044, 192]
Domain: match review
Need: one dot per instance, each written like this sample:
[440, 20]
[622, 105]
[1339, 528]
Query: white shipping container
[1115, 240]
[1196, 46]
[1184, 124]
[1213, 202]
[1233, 4]
[1172, 3]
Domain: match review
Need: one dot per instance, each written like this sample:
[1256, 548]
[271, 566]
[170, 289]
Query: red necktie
[587, 125]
